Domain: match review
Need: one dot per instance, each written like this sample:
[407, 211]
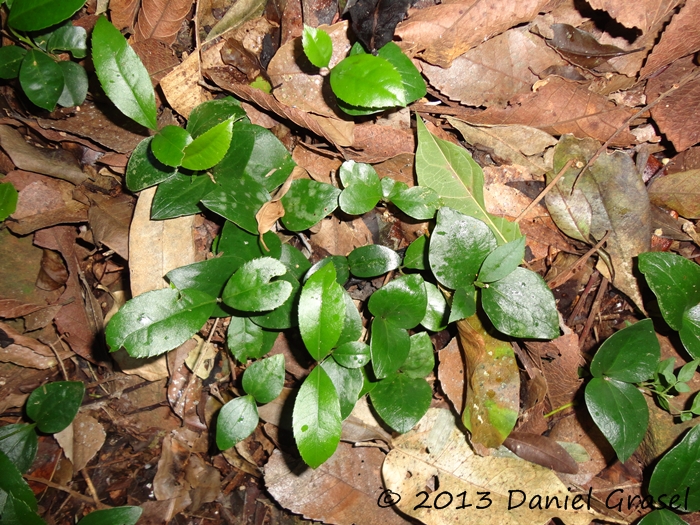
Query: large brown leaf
[161, 19]
[642, 14]
[445, 31]
[123, 12]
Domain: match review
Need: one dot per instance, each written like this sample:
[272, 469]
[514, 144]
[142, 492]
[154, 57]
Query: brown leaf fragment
[272, 210]
[451, 374]
[25, 351]
[161, 19]
[81, 440]
[642, 15]
[205, 481]
[679, 192]
[109, 219]
[158, 58]
[12, 308]
[123, 12]
[445, 31]
[181, 86]
[319, 12]
[53, 274]
[378, 143]
[318, 164]
[561, 107]
[581, 48]
[169, 482]
[560, 360]
[541, 450]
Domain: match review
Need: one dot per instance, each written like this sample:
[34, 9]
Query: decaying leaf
[273, 210]
[123, 12]
[581, 48]
[81, 440]
[161, 19]
[26, 351]
[374, 21]
[679, 192]
[181, 86]
[642, 15]
[541, 450]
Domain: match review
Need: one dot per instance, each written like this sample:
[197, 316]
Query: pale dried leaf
[361, 425]
[240, 12]
[642, 15]
[169, 482]
[679, 192]
[81, 440]
[181, 86]
[205, 481]
[161, 19]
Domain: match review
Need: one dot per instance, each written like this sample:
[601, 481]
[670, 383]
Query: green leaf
[115, 516]
[284, 316]
[212, 112]
[418, 202]
[661, 517]
[307, 202]
[264, 379]
[502, 261]
[247, 340]
[421, 359]
[452, 172]
[352, 323]
[68, 38]
[368, 81]
[695, 407]
[630, 355]
[362, 188]
[209, 148]
[41, 79]
[687, 371]
[401, 401]
[413, 84]
[8, 200]
[321, 312]
[17, 512]
[19, 443]
[237, 198]
[347, 382]
[388, 185]
[373, 260]
[122, 75]
[665, 370]
[463, 304]
[521, 305]
[144, 169]
[236, 242]
[54, 405]
[458, 246]
[388, 346]
[293, 259]
[75, 84]
[679, 471]
[354, 354]
[690, 331]
[13, 483]
[237, 420]
[251, 289]
[403, 301]
[316, 418]
[620, 412]
[169, 143]
[180, 195]
[416, 256]
[32, 15]
[10, 61]
[342, 269]
[157, 321]
[318, 46]
[437, 313]
[675, 281]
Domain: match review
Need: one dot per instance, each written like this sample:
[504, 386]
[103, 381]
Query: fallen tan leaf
[376, 143]
[642, 15]
[273, 210]
[123, 12]
[181, 86]
[109, 219]
[161, 19]
[679, 192]
[81, 440]
[25, 351]
[451, 374]
[158, 58]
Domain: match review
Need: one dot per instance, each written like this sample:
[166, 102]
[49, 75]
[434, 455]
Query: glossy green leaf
[421, 358]
[342, 269]
[321, 312]
[418, 202]
[389, 346]
[144, 169]
[251, 288]
[403, 301]
[347, 382]
[122, 75]
[458, 246]
[387, 187]
[373, 260]
[295, 261]
[630, 355]
[75, 84]
[8, 200]
[679, 471]
[502, 261]
[437, 313]
[354, 354]
[665, 370]
[362, 189]
[661, 517]
[180, 195]
[237, 198]
[463, 304]
[690, 331]
[352, 323]
[13, 483]
[115, 516]
[675, 281]
[68, 38]
[213, 112]
[209, 148]
[316, 418]
[247, 340]
[368, 81]
[41, 79]
[317, 45]
[237, 420]
[452, 172]
[620, 412]
[401, 401]
[19, 443]
[521, 305]
[284, 316]
[416, 256]
[10, 61]
[54, 405]
[17, 512]
[169, 143]
[32, 15]
[264, 379]
[687, 371]
[157, 321]
[236, 242]
[413, 84]
[307, 202]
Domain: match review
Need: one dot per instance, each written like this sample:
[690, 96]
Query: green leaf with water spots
[307, 202]
[251, 288]
[236, 421]
[372, 260]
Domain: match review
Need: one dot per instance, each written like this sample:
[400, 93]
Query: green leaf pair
[175, 147]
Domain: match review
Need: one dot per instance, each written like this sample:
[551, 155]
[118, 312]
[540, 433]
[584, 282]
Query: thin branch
[545, 191]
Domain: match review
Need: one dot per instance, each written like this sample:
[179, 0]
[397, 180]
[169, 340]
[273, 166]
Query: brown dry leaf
[436, 454]
[362, 425]
[81, 440]
[56, 163]
[561, 107]
[541, 450]
[272, 210]
[378, 143]
[319, 165]
[12, 308]
[451, 374]
[642, 15]
[205, 481]
[443, 32]
[181, 86]
[679, 192]
[169, 482]
[53, 274]
[342, 491]
[123, 12]
[158, 58]
[560, 360]
[496, 70]
[401, 168]
[43, 202]
[341, 237]
[26, 351]
[673, 115]
[581, 48]
[109, 219]
[161, 19]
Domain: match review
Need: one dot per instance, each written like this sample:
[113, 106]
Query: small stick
[545, 191]
[76, 495]
[91, 488]
[594, 311]
[561, 279]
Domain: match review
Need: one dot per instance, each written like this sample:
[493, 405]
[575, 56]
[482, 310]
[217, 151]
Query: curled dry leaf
[541, 450]
[272, 210]
[26, 351]
[161, 19]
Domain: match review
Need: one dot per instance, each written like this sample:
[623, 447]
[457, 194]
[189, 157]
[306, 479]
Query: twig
[565, 276]
[76, 495]
[582, 298]
[594, 311]
[60, 362]
[545, 191]
[91, 488]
